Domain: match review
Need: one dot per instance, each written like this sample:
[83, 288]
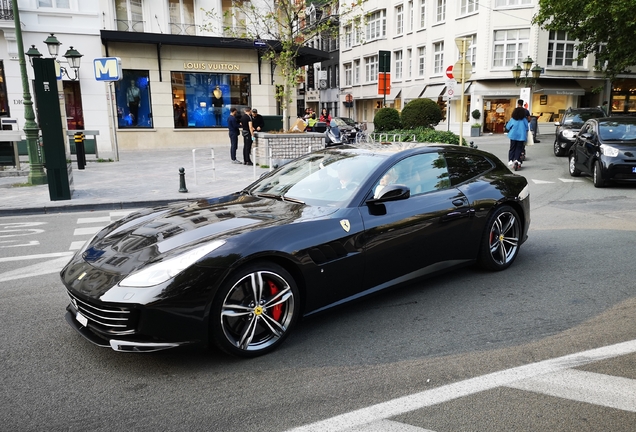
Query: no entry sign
[449, 72]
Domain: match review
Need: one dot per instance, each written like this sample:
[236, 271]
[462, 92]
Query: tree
[608, 24]
[284, 27]
[421, 113]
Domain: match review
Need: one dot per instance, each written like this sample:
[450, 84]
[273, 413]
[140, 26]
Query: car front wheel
[254, 310]
[501, 240]
[572, 166]
[597, 175]
[558, 151]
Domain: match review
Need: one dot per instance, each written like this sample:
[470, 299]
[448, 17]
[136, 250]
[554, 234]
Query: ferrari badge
[345, 225]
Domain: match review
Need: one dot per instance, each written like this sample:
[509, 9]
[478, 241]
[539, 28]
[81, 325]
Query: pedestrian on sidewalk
[233, 128]
[258, 123]
[247, 132]
[517, 128]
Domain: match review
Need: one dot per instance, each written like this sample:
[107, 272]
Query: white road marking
[598, 389]
[36, 256]
[94, 220]
[87, 231]
[541, 181]
[6, 243]
[456, 390]
[570, 180]
[38, 269]
[77, 245]
[387, 426]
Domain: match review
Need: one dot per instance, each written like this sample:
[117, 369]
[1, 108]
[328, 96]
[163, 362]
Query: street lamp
[72, 56]
[530, 74]
[31, 129]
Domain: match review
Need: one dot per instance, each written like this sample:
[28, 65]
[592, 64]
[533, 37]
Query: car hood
[161, 232]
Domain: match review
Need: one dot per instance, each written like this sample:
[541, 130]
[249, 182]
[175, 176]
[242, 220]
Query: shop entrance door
[73, 101]
[496, 114]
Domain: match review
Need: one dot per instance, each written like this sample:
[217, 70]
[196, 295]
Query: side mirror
[557, 123]
[394, 192]
[586, 136]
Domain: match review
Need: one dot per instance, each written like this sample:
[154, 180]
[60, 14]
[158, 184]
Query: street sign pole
[462, 45]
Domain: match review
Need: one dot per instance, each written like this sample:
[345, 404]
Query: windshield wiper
[280, 198]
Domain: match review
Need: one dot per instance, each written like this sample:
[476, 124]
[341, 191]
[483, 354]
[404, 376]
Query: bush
[421, 134]
[386, 119]
[421, 113]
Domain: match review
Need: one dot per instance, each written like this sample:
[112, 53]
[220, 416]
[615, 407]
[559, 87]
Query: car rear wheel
[254, 310]
[501, 240]
[597, 175]
[572, 167]
[558, 151]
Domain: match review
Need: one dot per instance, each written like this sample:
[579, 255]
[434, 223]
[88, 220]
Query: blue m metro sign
[107, 69]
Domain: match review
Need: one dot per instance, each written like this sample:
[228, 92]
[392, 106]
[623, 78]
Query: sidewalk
[141, 178]
[145, 178]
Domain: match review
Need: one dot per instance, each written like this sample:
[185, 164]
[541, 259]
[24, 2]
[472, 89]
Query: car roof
[577, 110]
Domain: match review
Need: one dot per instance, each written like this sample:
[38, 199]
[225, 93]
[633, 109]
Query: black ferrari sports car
[332, 226]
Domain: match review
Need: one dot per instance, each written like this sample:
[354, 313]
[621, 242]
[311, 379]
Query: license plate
[634, 169]
[81, 319]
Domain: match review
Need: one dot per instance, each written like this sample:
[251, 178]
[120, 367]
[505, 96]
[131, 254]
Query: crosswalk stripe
[36, 256]
[46, 267]
[541, 181]
[598, 389]
[570, 180]
[387, 426]
[87, 231]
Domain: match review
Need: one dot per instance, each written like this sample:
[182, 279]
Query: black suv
[570, 125]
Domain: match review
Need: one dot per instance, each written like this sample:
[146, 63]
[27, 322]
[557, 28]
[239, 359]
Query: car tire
[571, 166]
[501, 240]
[558, 151]
[254, 310]
[597, 175]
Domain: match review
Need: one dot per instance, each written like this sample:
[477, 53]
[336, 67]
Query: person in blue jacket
[517, 128]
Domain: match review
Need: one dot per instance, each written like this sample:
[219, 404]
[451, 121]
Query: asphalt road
[570, 290]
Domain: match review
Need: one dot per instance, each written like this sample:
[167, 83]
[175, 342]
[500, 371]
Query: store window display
[133, 100]
[204, 100]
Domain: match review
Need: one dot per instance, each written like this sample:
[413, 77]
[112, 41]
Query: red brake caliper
[277, 310]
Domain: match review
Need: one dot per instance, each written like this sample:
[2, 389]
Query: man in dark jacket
[233, 128]
[248, 131]
[257, 121]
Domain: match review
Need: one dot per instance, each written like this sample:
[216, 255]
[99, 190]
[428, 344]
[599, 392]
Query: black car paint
[563, 143]
[586, 152]
[330, 265]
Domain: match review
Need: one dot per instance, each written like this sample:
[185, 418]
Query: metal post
[31, 130]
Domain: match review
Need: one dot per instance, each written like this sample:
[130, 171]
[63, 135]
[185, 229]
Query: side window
[420, 173]
[463, 167]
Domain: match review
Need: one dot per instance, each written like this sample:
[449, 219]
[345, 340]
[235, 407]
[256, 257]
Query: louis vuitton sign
[211, 66]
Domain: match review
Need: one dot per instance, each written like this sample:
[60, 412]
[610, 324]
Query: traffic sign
[464, 65]
[450, 93]
[449, 72]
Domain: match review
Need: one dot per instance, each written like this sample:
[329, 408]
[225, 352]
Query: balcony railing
[183, 29]
[129, 26]
[6, 11]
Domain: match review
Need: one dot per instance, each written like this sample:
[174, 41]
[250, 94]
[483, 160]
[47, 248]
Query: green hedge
[386, 119]
[421, 113]
[422, 134]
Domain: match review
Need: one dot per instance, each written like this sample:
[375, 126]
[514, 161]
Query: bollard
[182, 184]
[80, 150]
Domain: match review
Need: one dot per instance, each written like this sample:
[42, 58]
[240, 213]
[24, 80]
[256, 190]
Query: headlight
[167, 269]
[525, 192]
[609, 151]
[568, 134]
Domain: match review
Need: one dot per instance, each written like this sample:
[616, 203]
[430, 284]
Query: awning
[433, 91]
[395, 92]
[413, 92]
[558, 87]
[497, 88]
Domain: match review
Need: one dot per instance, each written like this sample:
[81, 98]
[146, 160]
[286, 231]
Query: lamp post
[31, 130]
[72, 56]
[530, 74]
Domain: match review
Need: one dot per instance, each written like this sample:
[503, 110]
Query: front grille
[105, 319]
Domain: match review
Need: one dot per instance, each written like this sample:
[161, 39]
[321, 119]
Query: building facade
[420, 37]
[181, 76]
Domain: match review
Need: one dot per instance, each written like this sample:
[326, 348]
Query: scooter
[333, 136]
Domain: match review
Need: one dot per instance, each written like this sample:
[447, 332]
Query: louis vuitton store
[177, 90]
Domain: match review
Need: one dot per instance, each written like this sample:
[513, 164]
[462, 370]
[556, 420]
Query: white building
[420, 37]
[179, 79]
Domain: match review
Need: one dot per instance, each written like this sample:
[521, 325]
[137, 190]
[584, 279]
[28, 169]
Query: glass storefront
[203, 100]
[624, 97]
[133, 100]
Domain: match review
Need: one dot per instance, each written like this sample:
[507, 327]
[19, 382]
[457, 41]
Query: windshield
[578, 118]
[625, 130]
[325, 178]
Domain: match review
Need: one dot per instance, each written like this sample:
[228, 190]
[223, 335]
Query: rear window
[578, 118]
[464, 166]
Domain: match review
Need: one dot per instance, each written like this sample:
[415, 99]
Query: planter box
[282, 148]
[475, 132]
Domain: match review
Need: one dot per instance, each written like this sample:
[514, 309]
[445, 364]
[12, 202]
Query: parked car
[329, 227]
[348, 128]
[569, 126]
[605, 148]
